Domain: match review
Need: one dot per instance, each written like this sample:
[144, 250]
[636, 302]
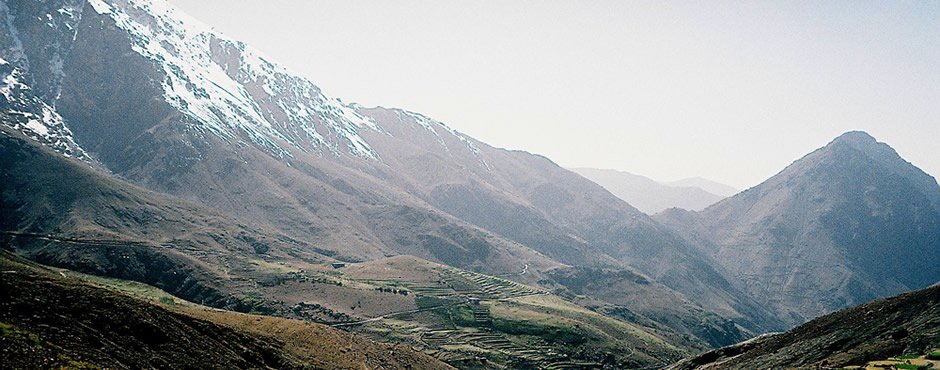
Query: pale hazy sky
[732, 91]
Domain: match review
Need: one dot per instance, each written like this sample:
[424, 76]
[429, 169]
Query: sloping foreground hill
[901, 325]
[50, 321]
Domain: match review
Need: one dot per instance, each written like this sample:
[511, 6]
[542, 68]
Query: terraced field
[931, 360]
[472, 320]
[466, 319]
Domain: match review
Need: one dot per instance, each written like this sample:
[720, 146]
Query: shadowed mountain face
[651, 196]
[62, 212]
[846, 224]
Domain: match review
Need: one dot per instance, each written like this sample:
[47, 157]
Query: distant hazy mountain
[651, 196]
[710, 186]
[846, 224]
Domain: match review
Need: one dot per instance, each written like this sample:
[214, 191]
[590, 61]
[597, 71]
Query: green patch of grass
[133, 288]
[424, 301]
[910, 366]
[252, 302]
[933, 355]
[460, 315]
[15, 333]
[71, 364]
[553, 333]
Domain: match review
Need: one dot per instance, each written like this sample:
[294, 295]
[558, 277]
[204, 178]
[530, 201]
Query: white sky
[732, 91]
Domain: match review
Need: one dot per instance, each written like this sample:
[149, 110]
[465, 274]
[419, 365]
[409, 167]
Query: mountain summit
[847, 223]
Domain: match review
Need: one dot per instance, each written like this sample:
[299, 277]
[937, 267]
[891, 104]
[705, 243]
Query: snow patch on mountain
[229, 88]
[432, 126]
[21, 110]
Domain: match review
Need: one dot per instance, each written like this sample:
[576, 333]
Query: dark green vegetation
[900, 327]
[50, 321]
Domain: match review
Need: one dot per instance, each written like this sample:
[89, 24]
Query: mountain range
[652, 197]
[139, 144]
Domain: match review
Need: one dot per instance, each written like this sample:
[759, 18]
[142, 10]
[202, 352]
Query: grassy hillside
[57, 319]
[427, 309]
[511, 325]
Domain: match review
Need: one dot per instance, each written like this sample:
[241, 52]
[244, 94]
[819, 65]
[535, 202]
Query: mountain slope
[168, 104]
[901, 325]
[208, 119]
[48, 320]
[62, 212]
[29, 114]
[648, 195]
[533, 201]
[846, 224]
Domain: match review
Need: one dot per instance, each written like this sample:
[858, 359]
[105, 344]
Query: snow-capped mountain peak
[229, 89]
[220, 87]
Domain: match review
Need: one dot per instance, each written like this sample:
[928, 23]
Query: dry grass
[319, 344]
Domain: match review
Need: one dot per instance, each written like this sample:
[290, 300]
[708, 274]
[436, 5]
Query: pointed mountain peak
[855, 137]
[854, 153]
[862, 142]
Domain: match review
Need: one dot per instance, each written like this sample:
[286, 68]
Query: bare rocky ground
[908, 324]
